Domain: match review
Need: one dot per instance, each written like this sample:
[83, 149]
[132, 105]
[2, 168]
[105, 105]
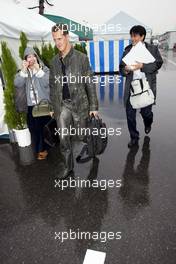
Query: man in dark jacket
[149, 71]
[72, 91]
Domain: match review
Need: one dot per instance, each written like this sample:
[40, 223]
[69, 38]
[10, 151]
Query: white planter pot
[23, 137]
[26, 155]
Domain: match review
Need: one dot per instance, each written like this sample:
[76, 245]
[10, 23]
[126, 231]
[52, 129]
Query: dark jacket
[82, 93]
[150, 70]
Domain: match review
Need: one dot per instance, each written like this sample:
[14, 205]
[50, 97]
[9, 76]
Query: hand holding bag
[43, 108]
[95, 144]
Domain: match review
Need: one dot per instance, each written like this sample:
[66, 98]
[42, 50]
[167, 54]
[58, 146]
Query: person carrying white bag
[139, 64]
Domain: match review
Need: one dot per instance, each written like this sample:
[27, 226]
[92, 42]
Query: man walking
[73, 98]
[148, 71]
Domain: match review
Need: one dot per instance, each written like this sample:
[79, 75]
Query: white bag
[141, 94]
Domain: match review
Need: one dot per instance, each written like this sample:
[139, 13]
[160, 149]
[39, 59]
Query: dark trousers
[146, 114]
[36, 125]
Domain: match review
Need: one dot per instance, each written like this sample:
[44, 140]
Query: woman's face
[31, 59]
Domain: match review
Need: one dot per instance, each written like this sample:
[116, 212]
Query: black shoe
[133, 143]
[148, 129]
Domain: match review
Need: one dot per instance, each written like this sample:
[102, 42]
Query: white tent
[110, 39]
[118, 27]
[15, 18]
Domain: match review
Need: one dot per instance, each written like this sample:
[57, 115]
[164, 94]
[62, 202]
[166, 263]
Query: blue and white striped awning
[105, 56]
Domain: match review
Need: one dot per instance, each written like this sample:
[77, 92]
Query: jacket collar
[69, 54]
[130, 46]
[146, 44]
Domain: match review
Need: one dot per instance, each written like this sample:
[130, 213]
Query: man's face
[31, 59]
[135, 38]
[61, 41]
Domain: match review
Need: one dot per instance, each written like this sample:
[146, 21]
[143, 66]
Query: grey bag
[42, 109]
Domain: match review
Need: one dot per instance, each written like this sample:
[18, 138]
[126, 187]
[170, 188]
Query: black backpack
[95, 141]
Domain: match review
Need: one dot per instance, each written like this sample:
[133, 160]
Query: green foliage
[47, 53]
[13, 119]
[81, 47]
[37, 50]
[24, 41]
[55, 50]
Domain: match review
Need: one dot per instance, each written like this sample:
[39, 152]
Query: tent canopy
[121, 23]
[84, 33]
[15, 18]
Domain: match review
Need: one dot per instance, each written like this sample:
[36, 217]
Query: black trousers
[36, 125]
[146, 114]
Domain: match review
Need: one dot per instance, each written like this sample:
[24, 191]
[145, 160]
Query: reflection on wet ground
[142, 209]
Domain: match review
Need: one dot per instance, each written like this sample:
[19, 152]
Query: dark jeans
[146, 114]
[36, 125]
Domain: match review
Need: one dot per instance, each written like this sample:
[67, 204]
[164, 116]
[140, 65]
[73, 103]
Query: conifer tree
[13, 119]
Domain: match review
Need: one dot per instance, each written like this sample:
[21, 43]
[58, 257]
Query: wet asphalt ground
[33, 210]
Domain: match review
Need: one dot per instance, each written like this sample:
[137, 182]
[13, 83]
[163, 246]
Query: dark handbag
[96, 143]
[43, 108]
[50, 134]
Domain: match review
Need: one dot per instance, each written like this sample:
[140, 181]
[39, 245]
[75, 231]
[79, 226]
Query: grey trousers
[66, 120]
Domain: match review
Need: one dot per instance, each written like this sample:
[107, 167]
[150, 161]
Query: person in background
[150, 70]
[34, 79]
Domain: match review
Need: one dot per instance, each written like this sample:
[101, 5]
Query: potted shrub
[15, 121]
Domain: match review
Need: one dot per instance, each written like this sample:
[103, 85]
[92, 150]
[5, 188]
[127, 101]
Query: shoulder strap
[32, 85]
[80, 158]
[142, 85]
